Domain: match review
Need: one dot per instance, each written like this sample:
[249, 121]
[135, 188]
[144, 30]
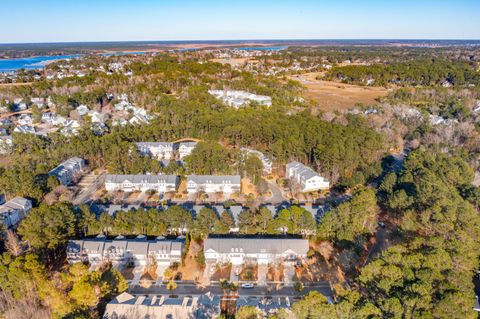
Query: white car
[247, 285]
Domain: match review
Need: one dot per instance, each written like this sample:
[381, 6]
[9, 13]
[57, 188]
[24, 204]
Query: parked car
[247, 285]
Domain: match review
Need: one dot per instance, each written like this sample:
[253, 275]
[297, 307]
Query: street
[193, 289]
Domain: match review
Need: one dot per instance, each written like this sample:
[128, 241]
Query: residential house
[305, 177]
[6, 144]
[185, 148]
[227, 184]
[142, 183]
[159, 150]
[96, 117]
[25, 119]
[13, 211]
[82, 110]
[26, 129]
[237, 99]
[259, 250]
[266, 162]
[68, 170]
[38, 101]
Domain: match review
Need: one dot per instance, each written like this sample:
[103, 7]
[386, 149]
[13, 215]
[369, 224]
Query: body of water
[276, 48]
[31, 63]
[124, 53]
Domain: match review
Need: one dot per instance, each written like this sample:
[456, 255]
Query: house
[305, 177]
[38, 101]
[96, 117]
[48, 117]
[266, 162]
[25, 119]
[260, 250]
[237, 98]
[26, 129]
[82, 110]
[160, 150]
[227, 184]
[142, 183]
[13, 211]
[68, 170]
[127, 306]
[6, 144]
[185, 148]
[120, 251]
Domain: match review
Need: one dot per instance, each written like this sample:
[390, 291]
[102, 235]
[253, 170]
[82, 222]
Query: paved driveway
[277, 195]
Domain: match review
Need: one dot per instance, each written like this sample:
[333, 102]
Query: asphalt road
[192, 289]
[277, 196]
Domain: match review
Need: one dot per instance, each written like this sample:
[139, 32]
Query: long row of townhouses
[227, 184]
[166, 150]
[140, 251]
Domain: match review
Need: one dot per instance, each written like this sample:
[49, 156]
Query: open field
[332, 96]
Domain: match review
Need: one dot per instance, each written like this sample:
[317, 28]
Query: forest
[421, 72]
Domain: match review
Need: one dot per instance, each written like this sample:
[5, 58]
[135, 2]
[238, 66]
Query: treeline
[423, 72]
[428, 272]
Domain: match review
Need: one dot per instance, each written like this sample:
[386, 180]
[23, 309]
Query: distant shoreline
[183, 43]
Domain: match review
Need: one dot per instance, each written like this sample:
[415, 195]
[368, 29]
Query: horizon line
[242, 40]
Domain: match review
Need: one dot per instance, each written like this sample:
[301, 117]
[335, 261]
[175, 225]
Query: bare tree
[13, 244]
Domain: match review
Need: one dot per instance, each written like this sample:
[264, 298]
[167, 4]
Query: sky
[24, 21]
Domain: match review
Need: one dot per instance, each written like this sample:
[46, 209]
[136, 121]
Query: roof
[154, 144]
[150, 179]
[135, 246]
[94, 245]
[116, 244]
[71, 164]
[138, 247]
[257, 245]
[127, 306]
[17, 203]
[302, 170]
[214, 179]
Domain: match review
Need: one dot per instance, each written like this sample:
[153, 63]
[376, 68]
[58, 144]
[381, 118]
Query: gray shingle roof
[152, 179]
[215, 179]
[257, 245]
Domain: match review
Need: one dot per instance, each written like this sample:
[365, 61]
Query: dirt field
[331, 96]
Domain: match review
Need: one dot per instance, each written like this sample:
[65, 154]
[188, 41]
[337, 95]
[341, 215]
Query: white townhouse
[142, 183]
[305, 177]
[266, 162]
[13, 211]
[237, 98]
[185, 148]
[259, 250]
[68, 170]
[227, 184]
[160, 150]
[127, 306]
[121, 251]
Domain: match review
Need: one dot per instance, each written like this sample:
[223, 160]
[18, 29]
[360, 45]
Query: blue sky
[124, 20]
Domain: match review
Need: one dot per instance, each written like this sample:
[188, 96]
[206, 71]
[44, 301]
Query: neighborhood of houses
[18, 117]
